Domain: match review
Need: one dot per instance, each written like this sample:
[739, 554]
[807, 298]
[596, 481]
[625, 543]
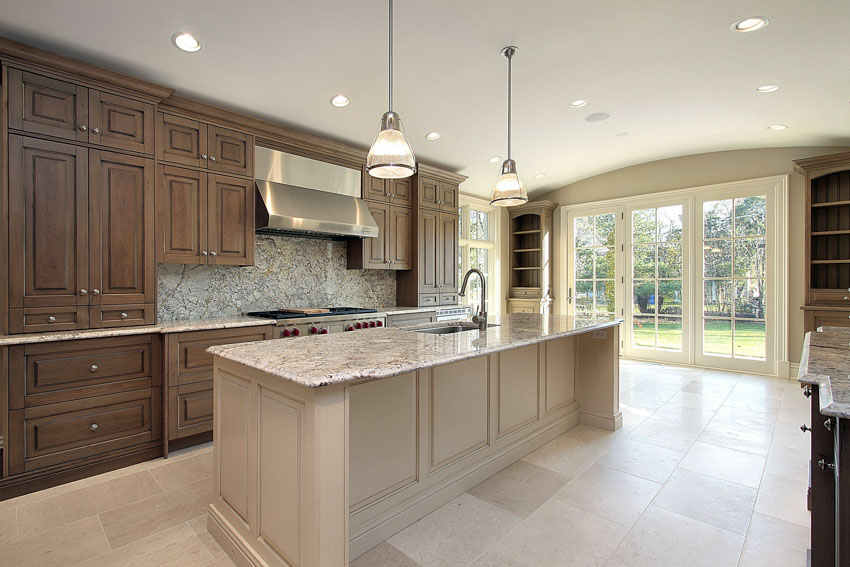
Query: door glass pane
[605, 266]
[643, 225]
[594, 266]
[717, 219]
[717, 258]
[643, 261]
[749, 339]
[749, 299]
[605, 299]
[479, 225]
[718, 298]
[670, 260]
[750, 216]
[670, 297]
[605, 229]
[643, 332]
[717, 337]
[644, 297]
[584, 299]
[584, 264]
[478, 258]
[670, 333]
[583, 231]
[750, 257]
[670, 224]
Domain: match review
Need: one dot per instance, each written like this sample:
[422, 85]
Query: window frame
[465, 204]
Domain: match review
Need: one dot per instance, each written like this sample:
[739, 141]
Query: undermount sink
[453, 328]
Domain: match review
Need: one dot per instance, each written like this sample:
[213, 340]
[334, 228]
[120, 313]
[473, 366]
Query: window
[594, 266]
[477, 249]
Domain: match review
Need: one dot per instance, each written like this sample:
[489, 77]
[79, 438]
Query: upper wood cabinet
[393, 191]
[204, 218]
[82, 237]
[438, 195]
[50, 107]
[392, 249]
[190, 142]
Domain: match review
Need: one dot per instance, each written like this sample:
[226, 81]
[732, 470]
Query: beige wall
[695, 171]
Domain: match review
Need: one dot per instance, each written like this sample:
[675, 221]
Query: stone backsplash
[288, 272]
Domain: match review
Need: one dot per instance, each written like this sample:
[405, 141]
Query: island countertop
[826, 364]
[380, 353]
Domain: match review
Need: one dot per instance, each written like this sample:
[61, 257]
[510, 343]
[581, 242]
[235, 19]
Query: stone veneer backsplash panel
[288, 272]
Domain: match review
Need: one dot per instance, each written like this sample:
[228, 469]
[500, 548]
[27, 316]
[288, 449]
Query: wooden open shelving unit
[531, 256]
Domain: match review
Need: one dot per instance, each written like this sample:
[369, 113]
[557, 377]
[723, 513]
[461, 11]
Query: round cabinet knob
[84, 292]
[314, 330]
[51, 319]
[379, 323]
[93, 427]
[807, 391]
[323, 332]
[846, 298]
[296, 332]
[83, 127]
[212, 158]
[93, 368]
[95, 130]
[123, 315]
[212, 253]
[204, 252]
[805, 428]
[285, 333]
[95, 291]
[372, 324]
[203, 156]
[349, 328]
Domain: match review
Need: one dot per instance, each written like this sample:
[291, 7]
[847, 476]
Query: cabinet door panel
[120, 122]
[401, 191]
[375, 249]
[47, 106]
[121, 229]
[180, 140]
[190, 409]
[448, 253]
[231, 221]
[401, 238]
[230, 151]
[181, 218]
[374, 188]
[48, 243]
[428, 193]
[447, 196]
[429, 251]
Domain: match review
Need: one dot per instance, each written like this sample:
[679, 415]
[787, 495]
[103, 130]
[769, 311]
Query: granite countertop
[826, 364]
[380, 353]
[176, 326]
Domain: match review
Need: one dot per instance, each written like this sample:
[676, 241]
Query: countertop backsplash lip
[289, 271]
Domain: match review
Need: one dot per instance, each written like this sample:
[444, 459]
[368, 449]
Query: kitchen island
[325, 446]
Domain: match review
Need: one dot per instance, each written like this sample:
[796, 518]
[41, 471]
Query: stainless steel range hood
[298, 195]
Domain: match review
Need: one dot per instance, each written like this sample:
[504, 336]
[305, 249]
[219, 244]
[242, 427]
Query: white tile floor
[709, 469]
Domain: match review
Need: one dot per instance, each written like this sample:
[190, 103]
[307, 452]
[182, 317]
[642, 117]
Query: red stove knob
[314, 330]
[379, 323]
[285, 333]
[296, 332]
[358, 325]
[323, 332]
[349, 328]
[371, 323]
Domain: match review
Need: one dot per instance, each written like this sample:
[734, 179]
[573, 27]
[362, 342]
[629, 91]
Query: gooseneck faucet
[481, 316]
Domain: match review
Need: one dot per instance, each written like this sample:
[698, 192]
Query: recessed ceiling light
[186, 42]
[540, 176]
[622, 134]
[431, 136]
[495, 159]
[340, 100]
[767, 88]
[578, 103]
[777, 127]
[751, 24]
[597, 117]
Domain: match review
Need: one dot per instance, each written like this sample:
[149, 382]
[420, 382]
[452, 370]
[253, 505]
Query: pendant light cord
[391, 56]
[509, 54]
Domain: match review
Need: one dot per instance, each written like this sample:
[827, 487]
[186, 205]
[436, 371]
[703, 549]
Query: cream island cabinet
[326, 446]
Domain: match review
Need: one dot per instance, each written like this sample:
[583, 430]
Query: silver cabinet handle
[212, 158]
[824, 465]
[95, 291]
[51, 319]
[93, 368]
[828, 424]
[93, 427]
[84, 292]
[805, 428]
[83, 127]
[204, 252]
[123, 315]
[212, 253]
[203, 156]
[95, 130]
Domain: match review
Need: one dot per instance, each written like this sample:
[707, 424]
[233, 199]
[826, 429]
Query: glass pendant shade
[390, 156]
[508, 191]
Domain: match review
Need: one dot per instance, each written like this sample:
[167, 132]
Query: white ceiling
[670, 73]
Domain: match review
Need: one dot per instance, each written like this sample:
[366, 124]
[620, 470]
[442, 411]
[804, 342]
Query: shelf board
[527, 268]
[831, 261]
[830, 204]
[537, 231]
[538, 249]
[826, 232]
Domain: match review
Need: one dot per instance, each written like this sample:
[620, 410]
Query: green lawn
[748, 340]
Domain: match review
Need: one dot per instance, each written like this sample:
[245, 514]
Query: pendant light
[508, 190]
[390, 156]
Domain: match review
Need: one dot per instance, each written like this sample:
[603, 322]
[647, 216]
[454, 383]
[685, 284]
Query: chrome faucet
[481, 316]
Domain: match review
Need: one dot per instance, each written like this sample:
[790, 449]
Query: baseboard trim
[230, 540]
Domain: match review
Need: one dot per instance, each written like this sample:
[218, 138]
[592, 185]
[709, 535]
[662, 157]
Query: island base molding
[314, 477]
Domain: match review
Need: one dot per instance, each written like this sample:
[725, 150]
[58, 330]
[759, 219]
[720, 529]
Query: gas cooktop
[297, 315]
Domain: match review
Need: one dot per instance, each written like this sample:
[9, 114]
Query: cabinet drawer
[190, 409]
[449, 299]
[525, 292]
[45, 319]
[411, 319]
[122, 315]
[61, 433]
[428, 299]
[818, 318]
[829, 297]
[193, 363]
[46, 373]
